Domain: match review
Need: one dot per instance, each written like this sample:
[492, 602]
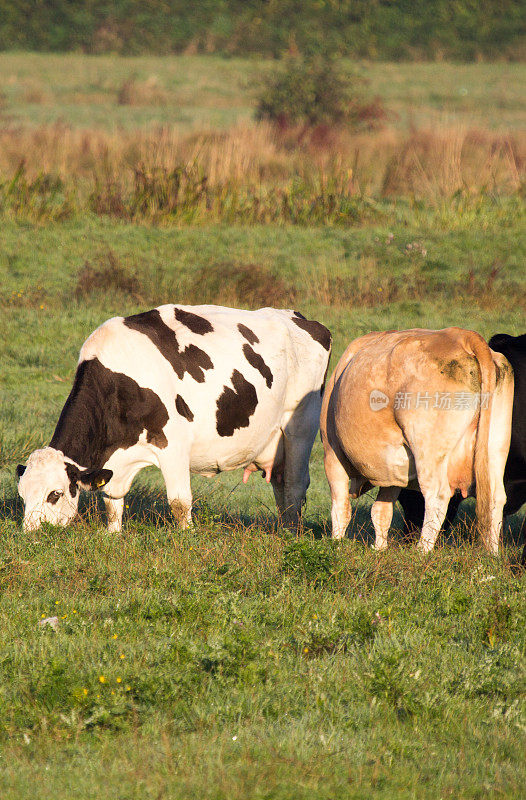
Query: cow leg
[382, 514]
[114, 508]
[299, 431]
[176, 474]
[338, 479]
[413, 506]
[278, 487]
[436, 501]
[296, 479]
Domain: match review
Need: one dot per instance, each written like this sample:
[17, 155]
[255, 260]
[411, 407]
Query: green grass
[255, 664]
[202, 91]
[240, 663]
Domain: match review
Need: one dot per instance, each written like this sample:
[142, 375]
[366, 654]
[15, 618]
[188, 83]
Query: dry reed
[428, 163]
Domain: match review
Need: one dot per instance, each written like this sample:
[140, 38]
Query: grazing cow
[189, 389]
[514, 349]
[419, 409]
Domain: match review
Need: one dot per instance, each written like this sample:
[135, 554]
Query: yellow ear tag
[100, 483]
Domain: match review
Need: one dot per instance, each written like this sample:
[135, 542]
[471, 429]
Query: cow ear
[20, 470]
[95, 478]
[73, 473]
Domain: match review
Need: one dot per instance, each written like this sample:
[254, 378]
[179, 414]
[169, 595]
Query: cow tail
[482, 353]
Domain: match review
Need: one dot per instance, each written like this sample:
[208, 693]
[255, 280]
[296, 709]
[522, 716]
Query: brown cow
[429, 410]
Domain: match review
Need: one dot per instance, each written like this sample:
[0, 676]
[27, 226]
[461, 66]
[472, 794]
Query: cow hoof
[114, 528]
[422, 547]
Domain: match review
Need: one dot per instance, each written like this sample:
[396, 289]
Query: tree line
[374, 29]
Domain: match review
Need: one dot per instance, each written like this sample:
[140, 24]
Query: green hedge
[382, 29]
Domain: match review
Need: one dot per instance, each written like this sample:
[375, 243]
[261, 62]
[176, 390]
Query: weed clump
[496, 621]
[387, 675]
[248, 285]
[108, 276]
[305, 559]
[43, 198]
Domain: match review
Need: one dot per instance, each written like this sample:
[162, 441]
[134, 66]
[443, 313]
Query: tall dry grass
[427, 163]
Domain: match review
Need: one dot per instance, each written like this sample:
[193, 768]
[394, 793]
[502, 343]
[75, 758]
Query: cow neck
[81, 432]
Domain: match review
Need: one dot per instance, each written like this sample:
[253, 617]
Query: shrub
[312, 92]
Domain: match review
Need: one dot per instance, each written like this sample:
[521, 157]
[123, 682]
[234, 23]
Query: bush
[307, 91]
[316, 93]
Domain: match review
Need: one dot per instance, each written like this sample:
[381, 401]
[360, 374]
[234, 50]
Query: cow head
[49, 486]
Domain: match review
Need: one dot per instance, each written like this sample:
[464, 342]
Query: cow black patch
[105, 411]
[235, 406]
[316, 330]
[192, 359]
[249, 335]
[514, 348]
[182, 408]
[193, 322]
[256, 361]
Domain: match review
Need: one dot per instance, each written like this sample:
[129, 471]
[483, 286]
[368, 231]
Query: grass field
[192, 92]
[236, 660]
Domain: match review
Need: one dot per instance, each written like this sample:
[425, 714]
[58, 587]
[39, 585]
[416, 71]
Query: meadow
[236, 660]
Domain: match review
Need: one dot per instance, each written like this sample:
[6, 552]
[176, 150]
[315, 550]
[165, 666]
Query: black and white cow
[199, 389]
[514, 349]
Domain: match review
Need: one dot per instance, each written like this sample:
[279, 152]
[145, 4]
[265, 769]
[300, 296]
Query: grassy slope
[234, 629]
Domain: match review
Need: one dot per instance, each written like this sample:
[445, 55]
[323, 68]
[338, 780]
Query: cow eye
[53, 497]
